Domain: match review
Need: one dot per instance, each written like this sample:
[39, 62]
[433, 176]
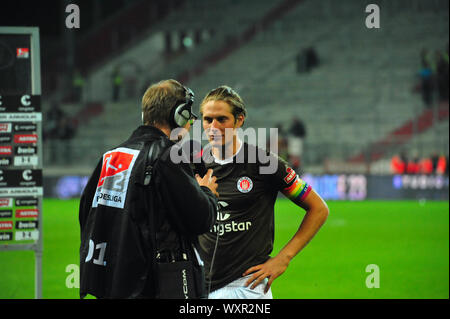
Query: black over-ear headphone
[181, 114]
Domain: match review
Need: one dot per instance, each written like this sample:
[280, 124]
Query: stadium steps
[361, 91]
[94, 138]
[405, 132]
[119, 119]
[433, 140]
[241, 39]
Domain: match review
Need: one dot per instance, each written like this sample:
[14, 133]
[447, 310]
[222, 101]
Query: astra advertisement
[21, 185]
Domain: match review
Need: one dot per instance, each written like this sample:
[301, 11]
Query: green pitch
[408, 242]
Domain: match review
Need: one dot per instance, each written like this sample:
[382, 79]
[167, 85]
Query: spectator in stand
[312, 59]
[426, 75]
[434, 161]
[439, 163]
[50, 131]
[398, 163]
[52, 118]
[413, 166]
[442, 166]
[307, 59]
[117, 83]
[426, 166]
[446, 166]
[78, 85]
[65, 131]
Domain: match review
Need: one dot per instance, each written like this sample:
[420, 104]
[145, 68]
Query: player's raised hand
[209, 181]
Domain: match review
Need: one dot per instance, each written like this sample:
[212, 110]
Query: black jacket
[118, 214]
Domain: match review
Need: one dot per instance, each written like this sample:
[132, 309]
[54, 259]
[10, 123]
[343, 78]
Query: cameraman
[140, 212]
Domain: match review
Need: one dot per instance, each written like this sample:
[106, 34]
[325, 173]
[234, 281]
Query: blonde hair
[231, 97]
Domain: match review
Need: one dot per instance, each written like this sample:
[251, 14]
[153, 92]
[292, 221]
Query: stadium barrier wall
[330, 187]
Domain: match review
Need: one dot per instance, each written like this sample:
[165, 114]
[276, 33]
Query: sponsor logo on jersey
[224, 226]
[231, 227]
[112, 185]
[222, 216]
[244, 184]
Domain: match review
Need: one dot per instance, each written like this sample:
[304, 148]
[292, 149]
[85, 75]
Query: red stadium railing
[404, 133]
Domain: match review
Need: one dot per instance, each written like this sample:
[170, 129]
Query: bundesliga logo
[23, 53]
[115, 164]
[114, 177]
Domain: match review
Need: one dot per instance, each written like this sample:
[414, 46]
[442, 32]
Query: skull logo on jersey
[244, 184]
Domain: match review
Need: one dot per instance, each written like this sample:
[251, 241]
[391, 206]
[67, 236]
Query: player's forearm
[313, 220]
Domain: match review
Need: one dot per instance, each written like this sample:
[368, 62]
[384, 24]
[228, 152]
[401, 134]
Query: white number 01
[101, 255]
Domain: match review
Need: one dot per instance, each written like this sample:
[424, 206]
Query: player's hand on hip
[209, 181]
[271, 269]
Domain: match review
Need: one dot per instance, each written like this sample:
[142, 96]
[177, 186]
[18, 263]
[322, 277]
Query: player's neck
[227, 150]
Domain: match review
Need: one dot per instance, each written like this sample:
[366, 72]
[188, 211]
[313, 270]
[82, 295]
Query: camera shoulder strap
[153, 149]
